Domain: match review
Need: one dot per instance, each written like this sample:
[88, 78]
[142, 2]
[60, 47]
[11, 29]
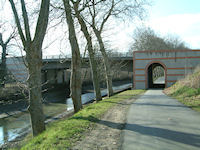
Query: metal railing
[70, 56]
[56, 56]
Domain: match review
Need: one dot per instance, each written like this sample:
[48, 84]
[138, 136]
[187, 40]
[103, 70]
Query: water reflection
[1, 135]
[11, 127]
[4, 134]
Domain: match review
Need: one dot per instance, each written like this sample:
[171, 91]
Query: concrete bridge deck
[57, 70]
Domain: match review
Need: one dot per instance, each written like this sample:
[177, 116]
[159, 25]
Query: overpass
[57, 70]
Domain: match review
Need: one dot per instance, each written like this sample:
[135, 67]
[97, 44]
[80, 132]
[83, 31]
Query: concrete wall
[17, 69]
[177, 64]
[55, 76]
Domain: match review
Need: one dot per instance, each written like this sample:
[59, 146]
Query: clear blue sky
[163, 8]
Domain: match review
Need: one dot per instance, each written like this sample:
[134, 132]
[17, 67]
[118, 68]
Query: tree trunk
[33, 48]
[34, 60]
[95, 77]
[91, 57]
[75, 81]
[106, 63]
[3, 65]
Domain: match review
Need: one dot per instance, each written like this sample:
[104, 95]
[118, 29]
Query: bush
[13, 92]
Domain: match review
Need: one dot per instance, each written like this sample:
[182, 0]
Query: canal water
[14, 126]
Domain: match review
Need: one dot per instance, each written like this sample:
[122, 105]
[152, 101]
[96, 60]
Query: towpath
[158, 122]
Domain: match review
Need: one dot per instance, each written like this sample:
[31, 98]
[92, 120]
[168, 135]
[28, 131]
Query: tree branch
[18, 22]
[42, 22]
[12, 35]
[26, 22]
[107, 16]
[1, 40]
[57, 7]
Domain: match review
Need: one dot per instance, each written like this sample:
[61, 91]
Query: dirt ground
[106, 135]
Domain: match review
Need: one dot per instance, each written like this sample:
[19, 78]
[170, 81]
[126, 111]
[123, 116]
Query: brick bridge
[176, 64]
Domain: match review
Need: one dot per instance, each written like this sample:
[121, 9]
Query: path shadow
[181, 137]
[164, 105]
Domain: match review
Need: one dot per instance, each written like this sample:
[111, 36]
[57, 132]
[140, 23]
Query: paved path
[157, 122]
[160, 80]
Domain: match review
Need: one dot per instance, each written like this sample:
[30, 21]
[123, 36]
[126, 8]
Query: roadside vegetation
[187, 90]
[62, 134]
[12, 92]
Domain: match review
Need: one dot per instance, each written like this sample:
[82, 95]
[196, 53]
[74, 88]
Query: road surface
[158, 122]
[160, 80]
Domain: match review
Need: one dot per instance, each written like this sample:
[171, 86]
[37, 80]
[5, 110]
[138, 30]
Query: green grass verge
[186, 95]
[61, 134]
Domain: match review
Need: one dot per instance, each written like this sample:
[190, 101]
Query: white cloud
[187, 26]
[121, 36]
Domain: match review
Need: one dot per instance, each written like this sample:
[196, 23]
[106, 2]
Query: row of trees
[145, 38]
[91, 17]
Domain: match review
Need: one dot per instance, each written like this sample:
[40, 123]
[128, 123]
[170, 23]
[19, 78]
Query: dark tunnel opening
[156, 76]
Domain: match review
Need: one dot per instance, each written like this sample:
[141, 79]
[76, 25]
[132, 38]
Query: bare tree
[147, 39]
[98, 31]
[33, 49]
[75, 81]
[174, 42]
[84, 29]
[100, 11]
[4, 45]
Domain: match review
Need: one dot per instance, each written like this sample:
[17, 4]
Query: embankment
[187, 90]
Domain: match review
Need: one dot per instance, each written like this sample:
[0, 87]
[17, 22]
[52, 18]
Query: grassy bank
[187, 90]
[62, 134]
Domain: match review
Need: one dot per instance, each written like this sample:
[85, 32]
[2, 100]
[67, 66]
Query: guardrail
[70, 56]
[57, 56]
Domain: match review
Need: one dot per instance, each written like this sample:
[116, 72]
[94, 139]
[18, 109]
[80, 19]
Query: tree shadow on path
[177, 136]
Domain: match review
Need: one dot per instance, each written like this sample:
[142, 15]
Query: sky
[181, 17]
[175, 17]
[166, 17]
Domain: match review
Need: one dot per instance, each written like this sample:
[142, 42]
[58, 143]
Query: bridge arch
[149, 83]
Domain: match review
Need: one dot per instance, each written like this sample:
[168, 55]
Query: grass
[186, 94]
[62, 134]
[52, 109]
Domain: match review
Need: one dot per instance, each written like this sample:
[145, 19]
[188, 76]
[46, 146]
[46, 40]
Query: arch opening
[156, 76]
